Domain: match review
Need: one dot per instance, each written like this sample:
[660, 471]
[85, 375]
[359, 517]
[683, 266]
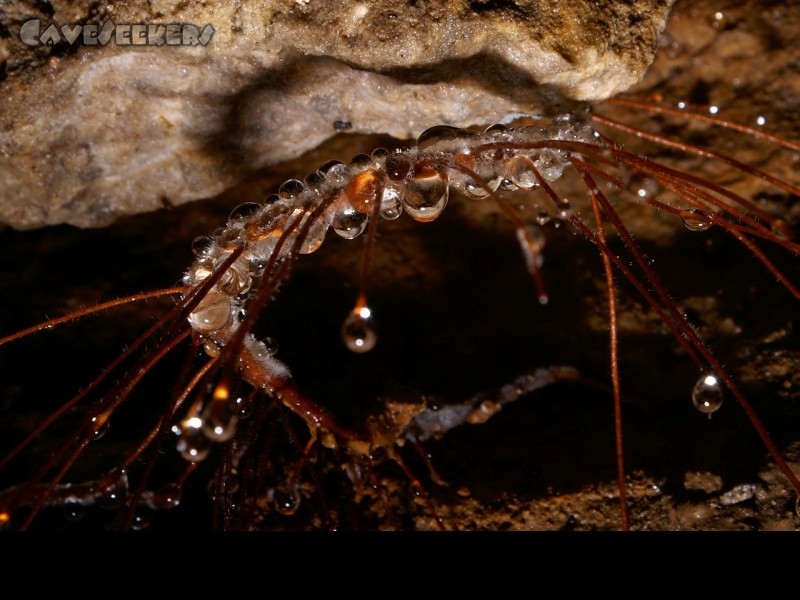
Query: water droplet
[142, 519]
[486, 172]
[271, 345]
[291, 190]
[314, 237]
[73, 510]
[169, 497]
[379, 153]
[718, 20]
[782, 230]
[496, 128]
[713, 109]
[201, 245]
[398, 166]
[219, 420]
[358, 330]
[550, 165]
[695, 220]
[99, 425]
[543, 217]
[349, 223]
[236, 279]
[193, 445]
[362, 190]
[445, 139]
[314, 181]
[287, 501]
[565, 210]
[115, 495]
[426, 195]
[244, 407]
[532, 240]
[521, 172]
[508, 185]
[391, 208]
[243, 211]
[434, 402]
[212, 314]
[211, 348]
[336, 173]
[360, 162]
[644, 188]
[707, 394]
[761, 120]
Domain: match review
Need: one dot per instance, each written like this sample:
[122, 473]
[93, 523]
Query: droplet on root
[358, 331]
[707, 394]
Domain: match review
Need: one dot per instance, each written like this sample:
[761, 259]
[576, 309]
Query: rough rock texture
[458, 316]
[95, 131]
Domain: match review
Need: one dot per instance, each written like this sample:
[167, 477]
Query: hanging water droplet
[426, 195]
[550, 165]
[211, 348]
[169, 497]
[212, 314]
[219, 420]
[543, 217]
[362, 190]
[314, 237]
[782, 230]
[521, 172]
[287, 501]
[349, 223]
[244, 407]
[564, 210]
[707, 394]
[271, 345]
[142, 518]
[643, 187]
[391, 208]
[99, 425]
[488, 180]
[532, 240]
[397, 166]
[73, 510]
[193, 445]
[695, 220]
[115, 495]
[358, 331]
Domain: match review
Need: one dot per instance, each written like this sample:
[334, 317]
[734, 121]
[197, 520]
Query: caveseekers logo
[137, 34]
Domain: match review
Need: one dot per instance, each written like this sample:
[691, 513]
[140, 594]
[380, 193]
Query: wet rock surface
[458, 316]
[93, 131]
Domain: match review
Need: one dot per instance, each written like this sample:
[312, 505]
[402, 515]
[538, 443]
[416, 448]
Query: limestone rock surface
[106, 111]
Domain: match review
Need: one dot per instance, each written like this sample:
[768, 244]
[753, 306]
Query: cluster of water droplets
[344, 197]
